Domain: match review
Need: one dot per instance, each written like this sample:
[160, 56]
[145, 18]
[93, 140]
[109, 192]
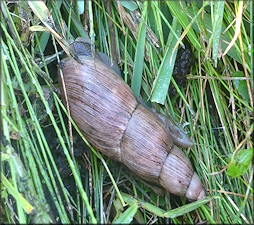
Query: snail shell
[113, 121]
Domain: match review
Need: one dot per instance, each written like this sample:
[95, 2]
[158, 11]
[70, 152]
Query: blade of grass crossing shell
[139, 56]
[161, 83]
[93, 150]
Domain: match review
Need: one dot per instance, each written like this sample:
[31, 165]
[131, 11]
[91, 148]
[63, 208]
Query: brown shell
[100, 105]
[145, 144]
[105, 109]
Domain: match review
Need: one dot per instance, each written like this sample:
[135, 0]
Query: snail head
[81, 46]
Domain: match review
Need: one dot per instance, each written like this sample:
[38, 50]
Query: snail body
[113, 121]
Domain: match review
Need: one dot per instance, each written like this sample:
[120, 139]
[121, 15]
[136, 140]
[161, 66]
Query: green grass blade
[161, 83]
[139, 58]
[177, 10]
[217, 28]
[19, 198]
[187, 208]
[127, 216]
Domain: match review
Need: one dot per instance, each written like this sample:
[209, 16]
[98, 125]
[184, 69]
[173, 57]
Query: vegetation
[48, 174]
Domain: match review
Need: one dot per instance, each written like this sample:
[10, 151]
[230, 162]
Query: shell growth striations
[113, 121]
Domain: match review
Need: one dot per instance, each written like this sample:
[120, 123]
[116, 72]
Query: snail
[121, 127]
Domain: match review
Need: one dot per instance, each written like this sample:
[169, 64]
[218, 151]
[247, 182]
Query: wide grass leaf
[217, 28]
[241, 85]
[241, 163]
[181, 16]
[127, 215]
[139, 60]
[187, 208]
[161, 83]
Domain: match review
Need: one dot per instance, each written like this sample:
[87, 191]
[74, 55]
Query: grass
[215, 109]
